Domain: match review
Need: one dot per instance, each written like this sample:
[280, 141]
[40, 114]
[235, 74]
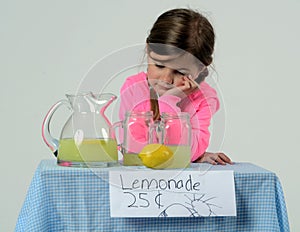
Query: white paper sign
[171, 194]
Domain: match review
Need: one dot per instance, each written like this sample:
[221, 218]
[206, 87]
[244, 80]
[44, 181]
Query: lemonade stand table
[77, 199]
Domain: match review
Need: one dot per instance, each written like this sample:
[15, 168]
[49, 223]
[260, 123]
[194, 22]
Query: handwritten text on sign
[171, 193]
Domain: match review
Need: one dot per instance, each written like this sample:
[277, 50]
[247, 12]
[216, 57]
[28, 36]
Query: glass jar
[175, 129]
[137, 133]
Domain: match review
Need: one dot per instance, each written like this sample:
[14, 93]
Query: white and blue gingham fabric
[77, 199]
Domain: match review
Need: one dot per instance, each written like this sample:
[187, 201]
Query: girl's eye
[180, 73]
[159, 66]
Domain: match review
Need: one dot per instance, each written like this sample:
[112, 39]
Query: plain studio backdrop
[47, 48]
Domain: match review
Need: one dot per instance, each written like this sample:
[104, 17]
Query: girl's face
[168, 71]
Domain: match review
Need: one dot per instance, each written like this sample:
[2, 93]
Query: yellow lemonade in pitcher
[88, 150]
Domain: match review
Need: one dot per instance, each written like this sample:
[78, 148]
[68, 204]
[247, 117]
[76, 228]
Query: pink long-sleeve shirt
[201, 105]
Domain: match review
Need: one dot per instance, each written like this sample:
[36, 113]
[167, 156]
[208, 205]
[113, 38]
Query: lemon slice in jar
[156, 156]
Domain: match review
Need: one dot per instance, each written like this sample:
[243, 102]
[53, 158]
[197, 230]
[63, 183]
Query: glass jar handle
[52, 142]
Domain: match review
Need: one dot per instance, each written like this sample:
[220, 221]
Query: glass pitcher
[175, 130]
[87, 138]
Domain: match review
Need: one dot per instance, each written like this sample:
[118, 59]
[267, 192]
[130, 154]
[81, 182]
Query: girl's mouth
[163, 85]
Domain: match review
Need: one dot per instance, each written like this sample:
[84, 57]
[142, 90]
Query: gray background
[47, 47]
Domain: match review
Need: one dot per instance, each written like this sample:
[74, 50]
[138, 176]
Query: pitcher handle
[52, 142]
[113, 97]
[113, 127]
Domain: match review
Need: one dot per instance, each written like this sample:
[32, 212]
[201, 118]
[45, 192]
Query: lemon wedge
[156, 156]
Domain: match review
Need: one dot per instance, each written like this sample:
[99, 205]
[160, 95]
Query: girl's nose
[167, 76]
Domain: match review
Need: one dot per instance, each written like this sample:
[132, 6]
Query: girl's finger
[193, 82]
[219, 160]
[225, 158]
[213, 160]
[189, 83]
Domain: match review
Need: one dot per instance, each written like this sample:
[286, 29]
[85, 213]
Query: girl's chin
[160, 91]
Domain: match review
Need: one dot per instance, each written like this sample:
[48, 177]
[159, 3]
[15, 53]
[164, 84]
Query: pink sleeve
[134, 97]
[200, 123]
[125, 93]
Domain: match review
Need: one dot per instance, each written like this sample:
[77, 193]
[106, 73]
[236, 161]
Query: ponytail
[154, 104]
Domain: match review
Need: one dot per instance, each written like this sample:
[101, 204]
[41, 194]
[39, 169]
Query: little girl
[179, 50]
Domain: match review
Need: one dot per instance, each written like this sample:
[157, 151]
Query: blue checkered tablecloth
[77, 199]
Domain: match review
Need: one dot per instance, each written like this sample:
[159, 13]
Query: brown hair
[185, 29]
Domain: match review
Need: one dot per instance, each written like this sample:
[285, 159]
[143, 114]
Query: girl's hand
[183, 88]
[214, 158]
